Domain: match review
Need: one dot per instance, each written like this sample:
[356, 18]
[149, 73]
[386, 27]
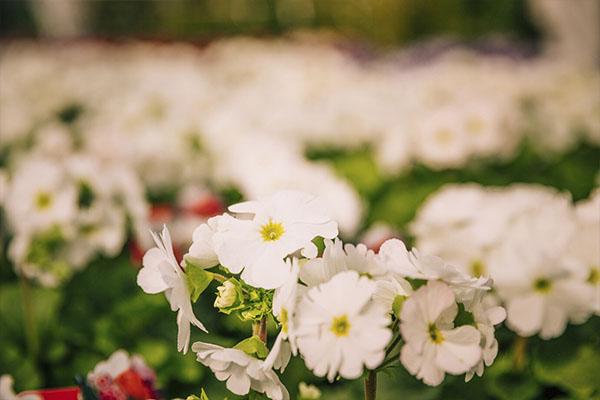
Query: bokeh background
[146, 87]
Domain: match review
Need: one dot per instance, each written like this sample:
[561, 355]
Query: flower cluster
[134, 135]
[63, 213]
[344, 309]
[122, 377]
[541, 250]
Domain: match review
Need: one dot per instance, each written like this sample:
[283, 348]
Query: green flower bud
[227, 295]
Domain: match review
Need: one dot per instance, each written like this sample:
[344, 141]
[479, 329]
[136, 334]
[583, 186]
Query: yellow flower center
[340, 326]
[43, 200]
[271, 231]
[283, 319]
[444, 136]
[435, 334]
[542, 285]
[477, 268]
[594, 277]
[475, 125]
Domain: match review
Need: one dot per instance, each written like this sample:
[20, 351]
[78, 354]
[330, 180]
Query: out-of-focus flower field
[484, 153]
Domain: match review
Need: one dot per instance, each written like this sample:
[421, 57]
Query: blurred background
[119, 116]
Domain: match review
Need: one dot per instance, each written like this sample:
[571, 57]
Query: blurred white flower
[40, 195]
[240, 371]
[161, 273]
[339, 329]
[7, 392]
[280, 225]
[433, 346]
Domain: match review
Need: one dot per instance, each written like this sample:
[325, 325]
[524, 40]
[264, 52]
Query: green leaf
[397, 305]
[198, 280]
[253, 346]
[506, 384]
[574, 369]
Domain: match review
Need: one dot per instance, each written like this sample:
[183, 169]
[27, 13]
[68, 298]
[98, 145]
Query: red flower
[133, 385]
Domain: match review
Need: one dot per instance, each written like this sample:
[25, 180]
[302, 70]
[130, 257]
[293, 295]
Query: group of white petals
[343, 311]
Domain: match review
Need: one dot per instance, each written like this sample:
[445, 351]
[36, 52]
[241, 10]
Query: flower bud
[308, 392]
[226, 296]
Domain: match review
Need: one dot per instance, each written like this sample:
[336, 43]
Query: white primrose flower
[339, 329]
[338, 257]
[241, 371]
[583, 253]
[202, 251]
[284, 308]
[40, 196]
[486, 314]
[412, 264]
[161, 273]
[280, 225]
[433, 346]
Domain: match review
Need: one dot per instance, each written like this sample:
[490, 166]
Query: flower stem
[393, 345]
[219, 277]
[520, 353]
[371, 385]
[29, 319]
[260, 329]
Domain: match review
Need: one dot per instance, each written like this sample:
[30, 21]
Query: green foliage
[253, 346]
[197, 279]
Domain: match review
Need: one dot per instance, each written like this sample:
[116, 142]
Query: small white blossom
[433, 346]
[161, 273]
[339, 329]
[279, 226]
[240, 371]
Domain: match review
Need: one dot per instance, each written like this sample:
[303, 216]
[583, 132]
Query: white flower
[161, 273]
[486, 313]
[339, 329]
[241, 371]
[583, 253]
[280, 225]
[202, 251]
[394, 255]
[433, 346]
[7, 392]
[284, 308]
[39, 196]
[338, 257]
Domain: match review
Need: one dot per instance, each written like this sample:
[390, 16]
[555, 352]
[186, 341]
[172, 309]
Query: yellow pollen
[340, 326]
[477, 268]
[43, 200]
[475, 126]
[271, 231]
[444, 136]
[594, 277]
[435, 334]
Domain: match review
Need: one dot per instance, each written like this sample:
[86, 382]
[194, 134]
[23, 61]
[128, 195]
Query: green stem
[371, 385]
[520, 353]
[219, 277]
[29, 319]
[388, 361]
[393, 345]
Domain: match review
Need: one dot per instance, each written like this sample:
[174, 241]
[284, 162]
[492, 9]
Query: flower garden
[298, 217]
